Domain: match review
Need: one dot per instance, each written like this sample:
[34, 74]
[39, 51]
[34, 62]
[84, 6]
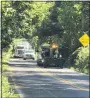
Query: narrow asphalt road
[33, 81]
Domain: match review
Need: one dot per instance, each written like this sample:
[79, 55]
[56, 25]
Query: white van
[29, 54]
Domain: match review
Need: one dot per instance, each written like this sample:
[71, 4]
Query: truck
[50, 56]
[18, 51]
[20, 47]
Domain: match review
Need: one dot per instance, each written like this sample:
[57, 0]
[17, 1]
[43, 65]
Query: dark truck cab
[49, 56]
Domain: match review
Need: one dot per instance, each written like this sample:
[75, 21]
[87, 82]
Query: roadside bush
[4, 67]
[82, 60]
[7, 90]
[6, 54]
[79, 60]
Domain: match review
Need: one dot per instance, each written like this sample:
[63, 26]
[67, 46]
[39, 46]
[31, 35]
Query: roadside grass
[7, 88]
[7, 91]
[4, 67]
[77, 69]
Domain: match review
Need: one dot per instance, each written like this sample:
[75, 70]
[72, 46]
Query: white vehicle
[19, 51]
[29, 54]
[20, 47]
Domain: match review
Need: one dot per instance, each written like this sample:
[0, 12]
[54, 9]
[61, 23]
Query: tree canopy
[60, 22]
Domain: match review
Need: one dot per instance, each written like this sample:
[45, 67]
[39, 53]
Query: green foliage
[39, 22]
[71, 15]
[34, 41]
[5, 87]
[7, 53]
[45, 44]
[4, 67]
[7, 91]
[16, 40]
[65, 24]
[80, 60]
[20, 19]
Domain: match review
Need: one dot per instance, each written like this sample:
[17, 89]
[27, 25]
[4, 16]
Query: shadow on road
[35, 81]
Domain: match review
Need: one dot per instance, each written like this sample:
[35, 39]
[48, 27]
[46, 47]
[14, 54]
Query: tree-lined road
[34, 82]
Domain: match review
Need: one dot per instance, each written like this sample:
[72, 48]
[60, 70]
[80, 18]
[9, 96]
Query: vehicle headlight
[42, 60]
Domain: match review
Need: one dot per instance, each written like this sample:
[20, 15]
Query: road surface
[32, 81]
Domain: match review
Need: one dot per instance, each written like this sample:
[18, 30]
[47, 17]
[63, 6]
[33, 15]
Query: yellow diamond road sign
[84, 40]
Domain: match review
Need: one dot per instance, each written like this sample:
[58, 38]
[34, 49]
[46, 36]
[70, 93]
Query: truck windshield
[20, 47]
[45, 52]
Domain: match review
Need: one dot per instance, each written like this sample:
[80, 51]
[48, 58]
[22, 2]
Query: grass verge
[7, 89]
